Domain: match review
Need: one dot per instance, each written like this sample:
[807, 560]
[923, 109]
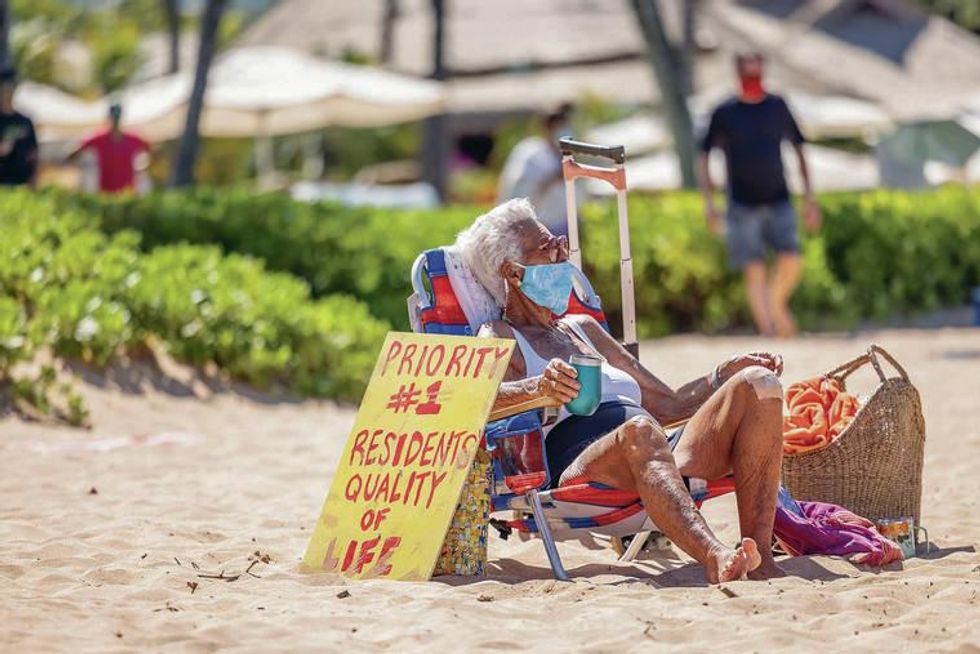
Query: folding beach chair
[515, 439]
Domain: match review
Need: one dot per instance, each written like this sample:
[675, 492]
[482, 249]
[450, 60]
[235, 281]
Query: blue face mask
[549, 285]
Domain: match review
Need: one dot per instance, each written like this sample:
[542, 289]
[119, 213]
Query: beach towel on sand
[821, 528]
[817, 411]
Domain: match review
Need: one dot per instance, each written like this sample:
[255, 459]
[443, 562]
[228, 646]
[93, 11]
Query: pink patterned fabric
[820, 528]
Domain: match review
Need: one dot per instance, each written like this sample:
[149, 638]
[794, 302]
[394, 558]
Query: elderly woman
[733, 413]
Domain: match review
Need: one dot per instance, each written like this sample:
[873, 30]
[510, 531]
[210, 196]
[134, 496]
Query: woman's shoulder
[593, 331]
[585, 321]
[496, 329]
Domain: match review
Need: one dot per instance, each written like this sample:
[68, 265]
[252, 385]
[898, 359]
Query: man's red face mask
[750, 81]
[752, 88]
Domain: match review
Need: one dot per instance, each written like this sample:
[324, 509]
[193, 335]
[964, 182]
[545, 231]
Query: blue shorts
[574, 434]
[752, 230]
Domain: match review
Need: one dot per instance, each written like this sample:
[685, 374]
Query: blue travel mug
[589, 369]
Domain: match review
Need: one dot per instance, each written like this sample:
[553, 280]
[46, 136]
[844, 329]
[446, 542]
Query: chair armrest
[523, 407]
[540, 403]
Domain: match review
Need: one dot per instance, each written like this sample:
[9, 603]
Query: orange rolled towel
[817, 411]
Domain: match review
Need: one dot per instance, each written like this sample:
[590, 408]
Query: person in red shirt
[116, 151]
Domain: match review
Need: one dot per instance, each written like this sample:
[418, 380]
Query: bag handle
[844, 371]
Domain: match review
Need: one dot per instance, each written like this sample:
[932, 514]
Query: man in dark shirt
[18, 142]
[750, 129]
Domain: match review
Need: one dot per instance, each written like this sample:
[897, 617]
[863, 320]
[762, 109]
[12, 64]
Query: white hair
[492, 239]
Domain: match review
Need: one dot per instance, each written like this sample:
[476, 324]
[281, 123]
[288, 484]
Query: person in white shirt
[533, 171]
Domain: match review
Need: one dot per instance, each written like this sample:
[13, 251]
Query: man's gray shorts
[751, 230]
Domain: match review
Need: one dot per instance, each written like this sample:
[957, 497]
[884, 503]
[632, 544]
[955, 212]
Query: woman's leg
[636, 457]
[739, 431]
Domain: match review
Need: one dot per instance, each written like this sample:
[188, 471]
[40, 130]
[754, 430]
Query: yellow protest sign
[402, 471]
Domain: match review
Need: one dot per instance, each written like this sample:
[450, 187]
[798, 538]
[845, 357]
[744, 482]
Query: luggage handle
[570, 147]
[616, 177]
[842, 372]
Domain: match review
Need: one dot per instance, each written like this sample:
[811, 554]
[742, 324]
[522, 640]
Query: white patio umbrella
[57, 115]
[255, 92]
[642, 133]
[835, 116]
[267, 91]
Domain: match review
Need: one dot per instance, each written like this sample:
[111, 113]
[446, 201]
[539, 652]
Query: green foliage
[900, 252]
[965, 13]
[233, 23]
[259, 326]
[112, 32]
[14, 343]
[879, 254]
[116, 54]
[43, 396]
[72, 289]
[149, 15]
[40, 26]
[682, 279]
[34, 48]
[366, 253]
[36, 391]
[55, 11]
[348, 149]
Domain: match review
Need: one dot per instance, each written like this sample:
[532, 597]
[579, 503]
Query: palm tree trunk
[388, 30]
[182, 172]
[172, 12]
[668, 73]
[5, 58]
[688, 48]
[435, 138]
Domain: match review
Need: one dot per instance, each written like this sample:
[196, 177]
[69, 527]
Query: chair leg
[549, 541]
[639, 540]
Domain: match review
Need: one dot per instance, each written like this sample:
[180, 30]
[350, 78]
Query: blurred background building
[888, 91]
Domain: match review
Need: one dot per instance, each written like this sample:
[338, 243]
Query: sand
[104, 533]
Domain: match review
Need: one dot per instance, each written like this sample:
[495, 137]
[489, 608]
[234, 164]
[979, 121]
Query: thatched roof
[515, 54]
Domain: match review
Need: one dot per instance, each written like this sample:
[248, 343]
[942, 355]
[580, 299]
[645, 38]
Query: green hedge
[902, 252]
[366, 253]
[67, 286]
[879, 254]
[682, 280]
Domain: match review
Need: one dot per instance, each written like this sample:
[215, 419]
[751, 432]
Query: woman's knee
[757, 385]
[762, 394]
[643, 432]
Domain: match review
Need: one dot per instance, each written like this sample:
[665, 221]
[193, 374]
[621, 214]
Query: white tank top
[617, 385]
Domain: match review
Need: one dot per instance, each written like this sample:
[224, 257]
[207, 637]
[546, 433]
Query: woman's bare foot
[767, 570]
[728, 565]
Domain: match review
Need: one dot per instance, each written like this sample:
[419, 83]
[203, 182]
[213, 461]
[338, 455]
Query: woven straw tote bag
[874, 467]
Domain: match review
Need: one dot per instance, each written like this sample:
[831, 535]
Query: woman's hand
[558, 382]
[730, 368]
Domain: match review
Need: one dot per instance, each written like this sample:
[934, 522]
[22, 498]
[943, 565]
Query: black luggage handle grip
[616, 153]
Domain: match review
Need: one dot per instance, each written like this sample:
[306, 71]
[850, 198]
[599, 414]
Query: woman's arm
[555, 386]
[667, 405]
